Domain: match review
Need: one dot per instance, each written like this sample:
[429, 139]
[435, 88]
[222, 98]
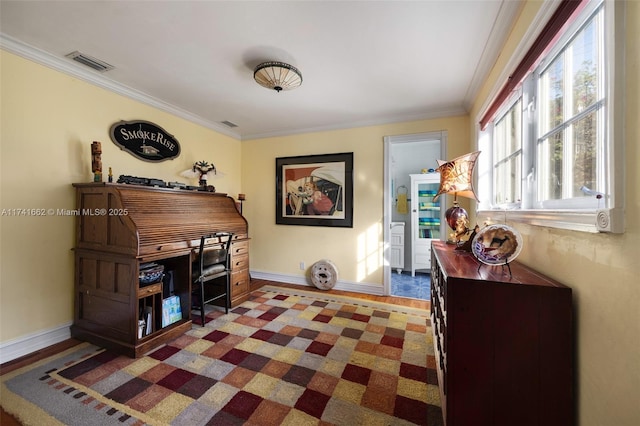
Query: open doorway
[405, 155]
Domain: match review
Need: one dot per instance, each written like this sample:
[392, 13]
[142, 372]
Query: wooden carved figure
[96, 161]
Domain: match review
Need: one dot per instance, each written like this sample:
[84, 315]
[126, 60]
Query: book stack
[147, 313]
[171, 311]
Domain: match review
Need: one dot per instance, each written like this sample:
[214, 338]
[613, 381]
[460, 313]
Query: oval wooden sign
[145, 140]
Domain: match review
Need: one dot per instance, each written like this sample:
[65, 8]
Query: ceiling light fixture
[277, 76]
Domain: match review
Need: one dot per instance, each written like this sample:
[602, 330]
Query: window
[507, 156]
[550, 146]
[571, 104]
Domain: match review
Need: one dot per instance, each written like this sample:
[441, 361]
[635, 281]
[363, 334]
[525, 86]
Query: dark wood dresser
[503, 343]
[121, 228]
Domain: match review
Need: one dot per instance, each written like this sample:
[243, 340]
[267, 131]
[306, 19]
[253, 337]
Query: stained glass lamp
[456, 177]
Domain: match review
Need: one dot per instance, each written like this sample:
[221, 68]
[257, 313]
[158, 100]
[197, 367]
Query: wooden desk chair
[211, 272]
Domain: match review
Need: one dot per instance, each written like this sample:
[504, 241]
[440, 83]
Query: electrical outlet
[302, 266]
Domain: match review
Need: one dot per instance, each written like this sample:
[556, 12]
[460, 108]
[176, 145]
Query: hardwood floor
[395, 300]
[7, 420]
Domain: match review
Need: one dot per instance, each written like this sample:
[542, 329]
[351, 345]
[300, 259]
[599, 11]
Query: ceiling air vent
[93, 63]
[229, 124]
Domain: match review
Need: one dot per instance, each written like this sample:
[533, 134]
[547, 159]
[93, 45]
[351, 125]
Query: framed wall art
[315, 190]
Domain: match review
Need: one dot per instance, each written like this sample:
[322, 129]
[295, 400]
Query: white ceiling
[362, 62]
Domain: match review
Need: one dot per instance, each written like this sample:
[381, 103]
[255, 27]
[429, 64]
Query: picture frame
[315, 190]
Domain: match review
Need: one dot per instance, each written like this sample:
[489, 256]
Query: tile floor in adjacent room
[405, 285]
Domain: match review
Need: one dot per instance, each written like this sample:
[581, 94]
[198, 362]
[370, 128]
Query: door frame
[389, 141]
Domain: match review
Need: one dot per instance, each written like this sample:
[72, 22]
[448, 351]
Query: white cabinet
[397, 246]
[427, 219]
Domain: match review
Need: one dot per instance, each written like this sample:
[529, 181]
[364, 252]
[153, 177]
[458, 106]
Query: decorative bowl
[497, 244]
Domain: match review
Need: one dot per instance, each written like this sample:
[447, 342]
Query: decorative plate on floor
[324, 274]
[497, 244]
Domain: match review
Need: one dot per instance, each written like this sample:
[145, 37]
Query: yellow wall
[356, 252]
[48, 122]
[601, 269]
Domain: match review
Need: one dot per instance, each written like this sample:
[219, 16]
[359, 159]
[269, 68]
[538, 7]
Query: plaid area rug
[295, 358]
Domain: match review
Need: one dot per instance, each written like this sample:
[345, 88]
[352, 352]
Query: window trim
[609, 219]
[553, 26]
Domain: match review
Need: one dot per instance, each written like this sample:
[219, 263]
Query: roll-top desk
[120, 228]
[503, 343]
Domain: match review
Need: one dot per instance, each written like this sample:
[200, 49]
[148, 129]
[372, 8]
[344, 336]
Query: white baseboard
[30, 343]
[366, 288]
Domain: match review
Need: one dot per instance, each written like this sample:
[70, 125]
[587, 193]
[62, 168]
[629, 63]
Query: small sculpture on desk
[203, 168]
[466, 246]
[460, 230]
[200, 170]
[96, 161]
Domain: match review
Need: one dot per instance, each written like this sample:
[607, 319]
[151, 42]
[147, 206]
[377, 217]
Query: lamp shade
[456, 176]
[277, 76]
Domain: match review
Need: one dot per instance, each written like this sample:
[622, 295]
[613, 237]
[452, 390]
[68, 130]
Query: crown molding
[502, 26]
[545, 12]
[442, 113]
[66, 66]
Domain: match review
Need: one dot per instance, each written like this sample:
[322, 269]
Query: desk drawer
[239, 248]
[149, 290]
[239, 283]
[239, 263]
